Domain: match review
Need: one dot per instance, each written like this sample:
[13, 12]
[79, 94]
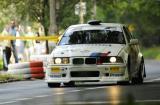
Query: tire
[36, 64]
[29, 76]
[25, 65]
[140, 75]
[18, 65]
[26, 76]
[70, 84]
[35, 70]
[19, 71]
[38, 76]
[123, 83]
[129, 70]
[52, 85]
[23, 76]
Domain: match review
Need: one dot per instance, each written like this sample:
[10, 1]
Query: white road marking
[9, 102]
[152, 80]
[16, 100]
[23, 99]
[93, 88]
[42, 96]
[74, 91]
[61, 93]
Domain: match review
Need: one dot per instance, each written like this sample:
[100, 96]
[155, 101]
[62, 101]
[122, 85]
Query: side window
[128, 35]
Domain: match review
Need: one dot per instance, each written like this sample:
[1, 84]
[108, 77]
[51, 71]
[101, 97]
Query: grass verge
[8, 78]
[151, 53]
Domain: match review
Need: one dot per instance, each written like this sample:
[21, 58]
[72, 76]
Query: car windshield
[92, 37]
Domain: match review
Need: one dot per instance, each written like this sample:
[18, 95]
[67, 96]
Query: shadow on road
[113, 84]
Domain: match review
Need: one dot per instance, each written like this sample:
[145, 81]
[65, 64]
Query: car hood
[87, 50]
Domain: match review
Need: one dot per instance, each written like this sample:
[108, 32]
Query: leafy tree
[143, 14]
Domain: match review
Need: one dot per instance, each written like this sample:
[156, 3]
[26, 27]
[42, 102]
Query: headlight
[112, 59]
[58, 60]
[65, 60]
[61, 60]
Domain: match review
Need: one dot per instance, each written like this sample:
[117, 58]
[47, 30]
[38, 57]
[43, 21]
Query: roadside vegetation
[1, 64]
[151, 53]
[9, 78]
[35, 12]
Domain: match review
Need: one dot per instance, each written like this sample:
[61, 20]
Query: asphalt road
[37, 93]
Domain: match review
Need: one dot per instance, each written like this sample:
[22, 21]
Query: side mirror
[134, 41]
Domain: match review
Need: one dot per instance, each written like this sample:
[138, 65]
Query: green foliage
[66, 14]
[4, 77]
[144, 14]
[151, 53]
[8, 77]
[7, 15]
[26, 12]
[1, 64]
[1, 58]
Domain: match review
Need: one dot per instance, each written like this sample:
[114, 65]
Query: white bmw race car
[96, 53]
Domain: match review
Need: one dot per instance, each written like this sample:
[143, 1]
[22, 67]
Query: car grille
[78, 61]
[84, 61]
[90, 61]
[84, 74]
[103, 60]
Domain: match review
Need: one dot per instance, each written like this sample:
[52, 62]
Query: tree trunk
[53, 24]
[94, 10]
[44, 21]
[81, 16]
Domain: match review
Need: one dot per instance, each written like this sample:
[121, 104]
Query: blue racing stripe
[95, 54]
[98, 54]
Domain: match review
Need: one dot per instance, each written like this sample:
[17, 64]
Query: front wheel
[140, 75]
[123, 83]
[70, 84]
[51, 85]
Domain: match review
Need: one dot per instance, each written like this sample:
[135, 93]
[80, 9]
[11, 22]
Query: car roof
[100, 25]
[95, 27]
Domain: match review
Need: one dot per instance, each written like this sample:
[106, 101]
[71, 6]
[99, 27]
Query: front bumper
[84, 73]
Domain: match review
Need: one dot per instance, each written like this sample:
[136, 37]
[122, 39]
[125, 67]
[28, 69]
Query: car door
[133, 51]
